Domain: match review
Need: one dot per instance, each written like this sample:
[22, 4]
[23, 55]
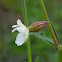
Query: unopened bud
[37, 26]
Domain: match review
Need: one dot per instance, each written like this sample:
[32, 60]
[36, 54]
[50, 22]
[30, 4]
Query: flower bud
[37, 26]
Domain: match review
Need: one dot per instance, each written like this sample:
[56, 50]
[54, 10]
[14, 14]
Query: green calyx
[37, 26]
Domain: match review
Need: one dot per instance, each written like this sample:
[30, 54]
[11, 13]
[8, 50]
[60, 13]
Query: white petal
[14, 26]
[21, 29]
[14, 29]
[20, 39]
[26, 33]
[20, 23]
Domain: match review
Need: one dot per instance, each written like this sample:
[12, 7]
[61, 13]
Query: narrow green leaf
[43, 37]
[37, 59]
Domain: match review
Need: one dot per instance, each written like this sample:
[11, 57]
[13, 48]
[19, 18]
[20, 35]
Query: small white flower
[23, 32]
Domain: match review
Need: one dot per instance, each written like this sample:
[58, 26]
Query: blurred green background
[10, 11]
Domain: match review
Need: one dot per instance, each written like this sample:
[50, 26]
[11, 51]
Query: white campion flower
[23, 32]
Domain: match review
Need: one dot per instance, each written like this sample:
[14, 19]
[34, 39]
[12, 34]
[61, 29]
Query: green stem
[46, 16]
[26, 23]
[60, 56]
[60, 53]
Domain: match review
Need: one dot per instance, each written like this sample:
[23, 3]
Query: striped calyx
[37, 26]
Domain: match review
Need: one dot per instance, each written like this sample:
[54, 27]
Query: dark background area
[10, 11]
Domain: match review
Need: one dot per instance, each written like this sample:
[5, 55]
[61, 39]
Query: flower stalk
[26, 23]
[49, 25]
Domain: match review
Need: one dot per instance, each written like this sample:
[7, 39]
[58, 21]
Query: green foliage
[40, 35]
[46, 52]
[13, 5]
[37, 59]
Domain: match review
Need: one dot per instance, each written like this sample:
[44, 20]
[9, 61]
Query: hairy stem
[46, 16]
[26, 23]
[54, 32]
